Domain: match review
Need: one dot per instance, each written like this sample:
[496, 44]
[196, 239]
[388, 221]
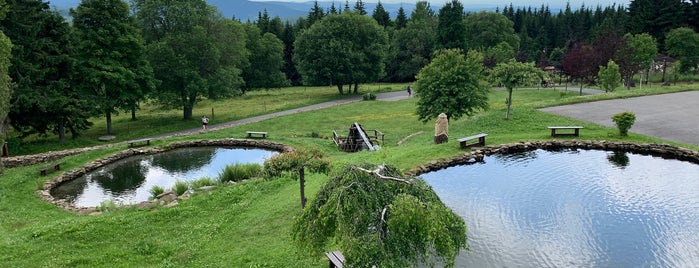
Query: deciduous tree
[512, 74]
[412, 46]
[487, 29]
[341, 49]
[378, 218]
[451, 29]
[609, 76]
[683, 43]
[267, 56]
[296, 163]
[452, 84]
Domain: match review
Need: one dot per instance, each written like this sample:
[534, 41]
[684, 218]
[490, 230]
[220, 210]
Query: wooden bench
[555, 131]
[464, 142]
[262, 134]
[49, 168]
[136, 143]
[336, 259]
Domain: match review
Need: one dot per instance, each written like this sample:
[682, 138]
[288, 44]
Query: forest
[115, 55]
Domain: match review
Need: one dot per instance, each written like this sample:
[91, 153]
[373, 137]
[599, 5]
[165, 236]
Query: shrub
[180, 187]
[369, 96]
[239, 172]
[624, 121]
[156, 190]
[206, 181]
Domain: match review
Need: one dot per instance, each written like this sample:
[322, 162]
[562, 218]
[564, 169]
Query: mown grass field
[248, 224]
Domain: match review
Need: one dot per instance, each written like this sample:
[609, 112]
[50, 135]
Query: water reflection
[129, 181]
[619, 159]
[575, 209]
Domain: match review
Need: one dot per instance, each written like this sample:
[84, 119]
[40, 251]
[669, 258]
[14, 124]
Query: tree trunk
[509, 103]
[133, 114]
[339, 88]
[302, 183]
[581, 85]
[109, 123]
[61, 130]
[356, 88]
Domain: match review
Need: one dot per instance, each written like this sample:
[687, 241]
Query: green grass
[248, 224]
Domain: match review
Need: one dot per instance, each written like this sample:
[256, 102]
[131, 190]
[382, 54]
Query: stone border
[654, 149]
[45, 192]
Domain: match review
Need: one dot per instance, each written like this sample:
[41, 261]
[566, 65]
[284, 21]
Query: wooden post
[5, 150]
[212, 113]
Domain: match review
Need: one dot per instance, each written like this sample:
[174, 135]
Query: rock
[106, 138]
[167, 196]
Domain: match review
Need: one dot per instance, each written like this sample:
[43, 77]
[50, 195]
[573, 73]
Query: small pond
[575, 208]
[129, 181]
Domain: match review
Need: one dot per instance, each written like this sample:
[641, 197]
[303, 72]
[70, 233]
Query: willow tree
[379, 218]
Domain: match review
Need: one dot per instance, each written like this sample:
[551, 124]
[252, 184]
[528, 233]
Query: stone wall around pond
[45, 192]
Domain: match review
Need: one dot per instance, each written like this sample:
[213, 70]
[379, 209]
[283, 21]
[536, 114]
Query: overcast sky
[497, 3]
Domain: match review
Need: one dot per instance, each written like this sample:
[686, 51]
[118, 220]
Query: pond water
[128, 181]
[575, 208]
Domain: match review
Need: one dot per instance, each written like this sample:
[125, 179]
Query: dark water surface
[129, 181]
[575, 208]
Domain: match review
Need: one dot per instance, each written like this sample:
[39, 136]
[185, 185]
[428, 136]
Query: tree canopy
[114, 70]
[377, 217]
[683, 43]
[609, 76]
[512, 74]
[453, 84]
[347, 48]
[5, 80]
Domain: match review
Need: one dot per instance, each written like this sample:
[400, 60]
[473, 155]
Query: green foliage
[412, 46]
[5, 84]
[180, 187]
[267, 58]
[291, 163]
[452, 84]
[107, 206]
[239, 172]
[487, 29]
[202, 182]
[512, 74]
[451, 29]
[624, 121]
[384, 222]
[369, 96]
[155, 191]
[341, 49]
[609, 76]
[683, 43]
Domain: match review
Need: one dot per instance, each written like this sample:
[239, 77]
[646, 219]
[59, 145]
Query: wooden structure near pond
[358, 139]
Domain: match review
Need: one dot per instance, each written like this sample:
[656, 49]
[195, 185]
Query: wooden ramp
[366, 140]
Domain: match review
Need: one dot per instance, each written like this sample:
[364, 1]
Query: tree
[609, 76]
[43, 66]
[644, 48]
[451, 30]
[655, 17]
[512, 74]
[488, 29]
[580, 63]
[452, 84]
[683, 43]
[381, 15]
[111, 56]
[193, 50]
[267, 52]
[341, 49]
[378, 218]
[412, 46]
[401, 18]
[5, 80]
[295, 163]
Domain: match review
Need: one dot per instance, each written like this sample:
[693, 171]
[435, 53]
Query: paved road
[388, 96]
[668, 116]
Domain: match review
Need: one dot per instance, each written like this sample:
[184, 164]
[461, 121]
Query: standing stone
[441, 129]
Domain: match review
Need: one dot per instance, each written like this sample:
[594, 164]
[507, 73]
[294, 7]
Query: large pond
[575, 208]
[130, 180]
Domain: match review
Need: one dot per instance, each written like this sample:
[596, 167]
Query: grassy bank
[247, 224]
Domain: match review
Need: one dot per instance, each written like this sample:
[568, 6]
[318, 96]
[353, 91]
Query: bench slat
[481, 140]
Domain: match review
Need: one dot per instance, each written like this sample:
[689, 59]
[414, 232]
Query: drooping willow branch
[376, 172]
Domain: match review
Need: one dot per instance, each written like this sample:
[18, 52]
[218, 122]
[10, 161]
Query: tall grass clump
[156, 190]
[205, 181]
[180, 187]
[239, 172]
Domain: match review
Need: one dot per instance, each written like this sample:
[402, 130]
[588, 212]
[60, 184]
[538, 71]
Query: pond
[575, 208]
[129, 181]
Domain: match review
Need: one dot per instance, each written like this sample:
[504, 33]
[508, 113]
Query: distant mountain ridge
[244, 10]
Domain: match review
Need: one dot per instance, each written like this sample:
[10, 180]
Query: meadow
[248, 224]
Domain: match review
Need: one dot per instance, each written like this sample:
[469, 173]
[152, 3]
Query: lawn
[248, 224]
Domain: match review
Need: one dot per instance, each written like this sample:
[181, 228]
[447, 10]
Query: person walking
[410, 90]
[204, 122]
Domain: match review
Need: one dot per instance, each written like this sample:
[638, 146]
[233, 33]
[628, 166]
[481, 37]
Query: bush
[156, 190]
[239, 172]
[369, 96]
[624, 121]
[206, 181]
[180, 187]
